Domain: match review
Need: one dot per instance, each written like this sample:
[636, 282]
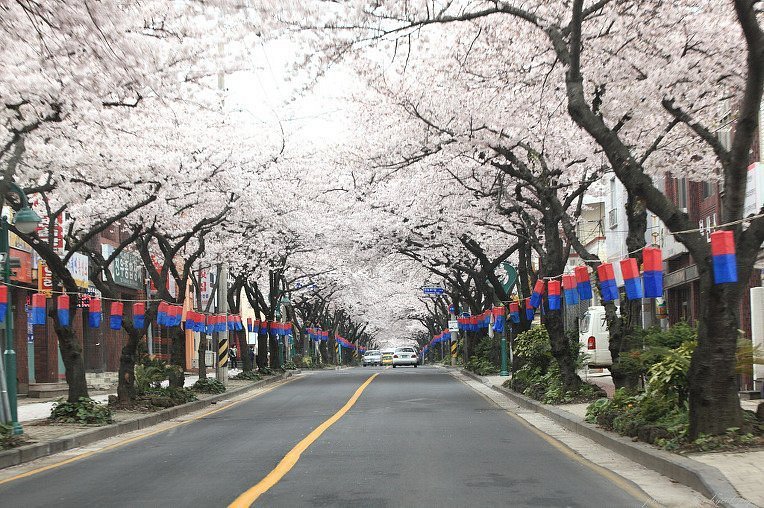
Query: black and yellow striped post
[223, 353]
[454, 347]
[337, 353]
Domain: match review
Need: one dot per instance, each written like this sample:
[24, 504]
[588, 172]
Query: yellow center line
[290, 459]
[142, 436]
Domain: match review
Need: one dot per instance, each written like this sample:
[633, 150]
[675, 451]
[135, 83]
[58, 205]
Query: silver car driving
[372, 357]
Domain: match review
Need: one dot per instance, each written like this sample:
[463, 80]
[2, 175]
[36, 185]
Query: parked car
[405, 356]
[372, 357]
[594, 337]
[387, 356]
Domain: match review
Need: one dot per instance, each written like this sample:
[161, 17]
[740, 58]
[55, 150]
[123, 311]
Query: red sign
[44, 279]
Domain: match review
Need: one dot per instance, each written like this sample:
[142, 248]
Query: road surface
[412, 437]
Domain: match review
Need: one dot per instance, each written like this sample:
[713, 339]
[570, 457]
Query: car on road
[372, 357]
[594, 337]
[405, 356]
[387, 356]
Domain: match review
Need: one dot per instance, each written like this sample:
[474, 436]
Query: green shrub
[596, 408]
[8, 440]
[671, 338]
[290, 365]
[650, 417]
[248, 375]
[669, 376]
[150, 373]
[86, 411]
[532, 348]
[266, 371]
[480, 362]
[208, 385]
[165, 397]
[481, 366]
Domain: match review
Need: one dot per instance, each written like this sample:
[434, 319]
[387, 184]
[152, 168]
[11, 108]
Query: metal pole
[454, 342]
[504, 371]
[222, 370]
[149, 331]
[10, 354]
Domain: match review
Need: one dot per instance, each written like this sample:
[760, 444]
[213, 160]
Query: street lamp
[26, 221]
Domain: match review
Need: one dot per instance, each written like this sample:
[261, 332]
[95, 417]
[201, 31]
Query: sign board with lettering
[78, 266]
[126, 269]
[44, 279]
[206, 283]
[50, 234]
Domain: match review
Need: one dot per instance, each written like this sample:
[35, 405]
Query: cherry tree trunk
[262, 351]
[622, 329]
[178, 357]
[202, 353]
[714, 402]
[273, 346]
[71, 354]
[554, 261]
[243, 347]
[562, 350]
[127, 359]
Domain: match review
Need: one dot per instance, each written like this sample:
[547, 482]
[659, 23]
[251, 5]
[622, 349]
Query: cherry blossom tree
[650, 82]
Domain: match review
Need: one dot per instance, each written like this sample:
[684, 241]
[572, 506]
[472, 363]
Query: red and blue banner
[3, 302]
[631, 278]
[94, 313]
[554, 295]
[139, 315]
[162, 318]
[39, 303]
[514, 312]
[538, 290]
[608, 287]
[498, 319]
[530, 311]
[570, 288]
[724, 256]
[62, 310]
[652, 262]
[115, 315]
[583, 283]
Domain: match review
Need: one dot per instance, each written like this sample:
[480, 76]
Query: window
[708, 189]
[681, 193]
[584, 326]
[613, 212]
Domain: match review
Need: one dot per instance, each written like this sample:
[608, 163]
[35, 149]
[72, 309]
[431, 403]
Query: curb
[700, 477]
[28, 453]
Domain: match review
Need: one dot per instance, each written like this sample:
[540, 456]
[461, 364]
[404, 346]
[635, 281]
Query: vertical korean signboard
[126, 269]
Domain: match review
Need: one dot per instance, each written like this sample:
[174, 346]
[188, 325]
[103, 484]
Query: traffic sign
[453, 325]
[433, 290]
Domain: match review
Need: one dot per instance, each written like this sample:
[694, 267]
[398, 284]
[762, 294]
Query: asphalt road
[415, 437]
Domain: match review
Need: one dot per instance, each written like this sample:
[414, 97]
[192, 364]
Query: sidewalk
[744, 470]
[37, 409]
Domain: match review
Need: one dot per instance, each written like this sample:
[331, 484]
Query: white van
[594, 337]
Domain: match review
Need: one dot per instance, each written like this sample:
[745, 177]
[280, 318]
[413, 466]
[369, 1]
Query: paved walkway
[37, 409]
[745, 470]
